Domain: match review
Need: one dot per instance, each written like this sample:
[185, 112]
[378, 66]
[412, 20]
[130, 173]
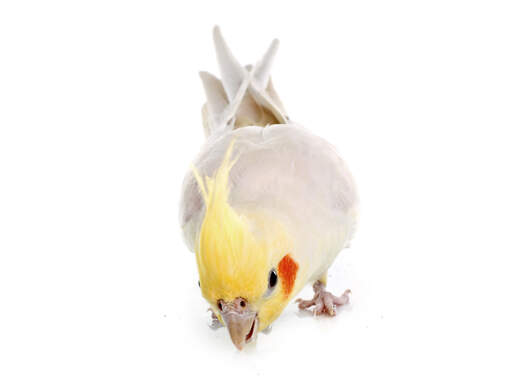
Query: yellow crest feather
[228, 255]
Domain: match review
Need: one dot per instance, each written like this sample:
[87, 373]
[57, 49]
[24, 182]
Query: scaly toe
[214, 321]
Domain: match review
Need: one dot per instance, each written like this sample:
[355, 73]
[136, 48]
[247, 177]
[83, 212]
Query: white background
[100, 118]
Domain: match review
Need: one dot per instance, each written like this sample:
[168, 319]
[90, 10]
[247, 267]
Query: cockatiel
[266, 206]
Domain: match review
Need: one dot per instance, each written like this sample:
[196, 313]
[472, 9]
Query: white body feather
[293, 175]
[281, 169]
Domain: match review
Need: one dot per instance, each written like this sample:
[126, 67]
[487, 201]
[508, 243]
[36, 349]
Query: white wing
[288, 171]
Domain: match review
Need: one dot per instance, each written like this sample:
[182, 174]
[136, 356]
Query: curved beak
[242, 323]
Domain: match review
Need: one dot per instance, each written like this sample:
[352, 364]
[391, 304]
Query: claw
[214, 320]
[324, 301]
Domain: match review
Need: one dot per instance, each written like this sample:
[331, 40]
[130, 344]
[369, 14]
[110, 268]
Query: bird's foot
[324, 301]
[214, 321]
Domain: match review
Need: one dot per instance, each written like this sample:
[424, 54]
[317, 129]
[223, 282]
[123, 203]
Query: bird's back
[281, 169]
[288, 172]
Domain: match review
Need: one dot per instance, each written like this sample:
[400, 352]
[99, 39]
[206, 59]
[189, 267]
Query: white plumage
[281, 168]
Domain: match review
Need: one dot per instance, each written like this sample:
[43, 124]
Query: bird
[266, 205]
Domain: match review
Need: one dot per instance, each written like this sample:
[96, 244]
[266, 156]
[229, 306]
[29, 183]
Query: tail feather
[244, 95]
[262, 70]
[231, 72]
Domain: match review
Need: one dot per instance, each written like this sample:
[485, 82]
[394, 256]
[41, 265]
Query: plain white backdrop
[100, 118]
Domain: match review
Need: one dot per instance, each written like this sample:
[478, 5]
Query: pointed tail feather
[244, 95]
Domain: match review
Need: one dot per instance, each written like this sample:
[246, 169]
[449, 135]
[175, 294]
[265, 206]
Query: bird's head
[245, 260]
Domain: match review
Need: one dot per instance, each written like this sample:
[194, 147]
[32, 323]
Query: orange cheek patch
[287, 270]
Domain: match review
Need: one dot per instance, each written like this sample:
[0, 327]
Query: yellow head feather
[234, 251]
[227, 252]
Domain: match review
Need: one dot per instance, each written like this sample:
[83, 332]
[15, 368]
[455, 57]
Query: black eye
[219, 304]
[272, 279]
[199, 283]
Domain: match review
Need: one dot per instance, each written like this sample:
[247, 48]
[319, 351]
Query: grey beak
[241, 322]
